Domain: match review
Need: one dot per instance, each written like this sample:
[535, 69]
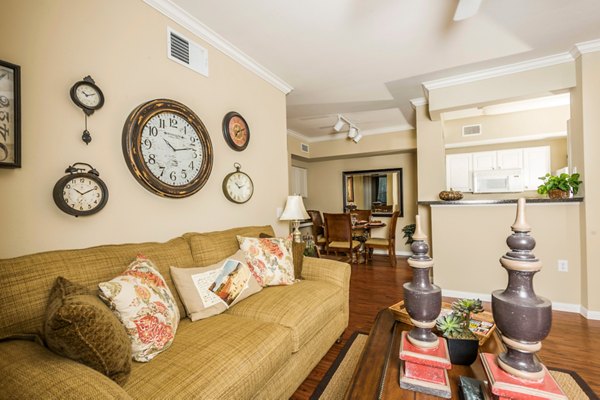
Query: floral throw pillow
[142, 301]
[270, 259]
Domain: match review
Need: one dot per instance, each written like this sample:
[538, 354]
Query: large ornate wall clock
[10, 115]
[167, 148]
[80, 192]
[236, 131]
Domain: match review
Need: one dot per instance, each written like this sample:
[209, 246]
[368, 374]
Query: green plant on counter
[564, 182]
[456, 324]
[409, 231]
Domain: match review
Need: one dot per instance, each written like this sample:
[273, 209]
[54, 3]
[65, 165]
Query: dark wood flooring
[573, 343]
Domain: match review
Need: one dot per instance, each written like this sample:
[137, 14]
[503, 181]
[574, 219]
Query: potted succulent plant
[462, 343]
[559, 186]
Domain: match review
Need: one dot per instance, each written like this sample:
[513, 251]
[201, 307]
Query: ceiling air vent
[471, 130]
[187, 53]
[304, 147]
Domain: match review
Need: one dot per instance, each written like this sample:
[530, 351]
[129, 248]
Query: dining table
[361, 231]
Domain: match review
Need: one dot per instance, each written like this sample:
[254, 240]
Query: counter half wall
[469, 238]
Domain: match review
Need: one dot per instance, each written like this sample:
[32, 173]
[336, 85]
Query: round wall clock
[236, 131]
[80, 193]
[167, 148]
[237, 186]
[87, 96]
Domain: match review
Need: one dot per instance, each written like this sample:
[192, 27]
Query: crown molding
[419, 101]
[192, 24]
[498, 71]
[298, 135]
[585, 47]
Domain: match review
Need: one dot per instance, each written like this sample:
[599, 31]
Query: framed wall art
[10, 115]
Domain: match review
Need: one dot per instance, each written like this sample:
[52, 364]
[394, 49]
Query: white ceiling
[366, 59]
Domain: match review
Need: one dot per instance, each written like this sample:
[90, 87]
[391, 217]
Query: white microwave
[498, 181]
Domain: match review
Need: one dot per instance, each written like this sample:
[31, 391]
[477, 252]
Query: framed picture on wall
[10, 115]
[350, 189]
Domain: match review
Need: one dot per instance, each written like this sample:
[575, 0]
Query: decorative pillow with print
[270, 259]
[142, 301]
[208, 291]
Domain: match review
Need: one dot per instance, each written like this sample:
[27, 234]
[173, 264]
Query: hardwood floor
[573, 343]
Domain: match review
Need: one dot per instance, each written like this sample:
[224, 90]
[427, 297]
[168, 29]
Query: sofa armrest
[321, 269]
[30, 371]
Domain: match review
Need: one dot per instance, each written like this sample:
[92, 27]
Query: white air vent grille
[304, 147]
[180, 48]
[471, 130]
[187, 53]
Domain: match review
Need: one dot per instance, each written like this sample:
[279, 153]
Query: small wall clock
[237, 186]
[87, 96]
[80, 192]
[236, 131]
[167, 148]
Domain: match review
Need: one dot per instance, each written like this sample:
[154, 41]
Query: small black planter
[463, 351]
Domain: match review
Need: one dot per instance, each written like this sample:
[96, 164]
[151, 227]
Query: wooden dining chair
[362, 215]
[338, 232]
[318, 228]
[388, 243]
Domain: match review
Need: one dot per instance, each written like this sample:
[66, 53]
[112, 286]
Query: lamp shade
[294, 209]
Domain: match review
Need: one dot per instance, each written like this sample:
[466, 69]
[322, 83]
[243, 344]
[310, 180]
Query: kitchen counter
[503, 198]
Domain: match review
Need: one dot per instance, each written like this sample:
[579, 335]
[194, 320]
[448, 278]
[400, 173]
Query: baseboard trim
[398, 253]
[556, 306]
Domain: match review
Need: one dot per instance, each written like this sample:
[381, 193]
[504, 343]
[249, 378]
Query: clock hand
[170, 145]
[84, 193]
[87, 95]
[78, 191]
[174, 135]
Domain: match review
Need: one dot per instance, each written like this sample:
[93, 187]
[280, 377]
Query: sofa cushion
[193, 285]
[211, 247]
[142, 301]
[307, 307]
[25, 282]
[269, 259]
[80, 327]
[222, 357]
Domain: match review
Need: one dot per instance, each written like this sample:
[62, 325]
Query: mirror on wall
[379, 190]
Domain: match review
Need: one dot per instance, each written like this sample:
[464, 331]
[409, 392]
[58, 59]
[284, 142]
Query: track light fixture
[353, 132]
[339, 124]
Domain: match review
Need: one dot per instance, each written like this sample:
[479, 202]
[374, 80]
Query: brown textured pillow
[81, 327]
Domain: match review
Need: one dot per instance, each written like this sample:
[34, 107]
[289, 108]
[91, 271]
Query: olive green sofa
[261, 348]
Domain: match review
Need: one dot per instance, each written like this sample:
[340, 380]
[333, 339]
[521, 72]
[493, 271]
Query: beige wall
[122, 45]
[465, 264]
[325, 185]
[507, 87]
[509, 126]
[585, 142]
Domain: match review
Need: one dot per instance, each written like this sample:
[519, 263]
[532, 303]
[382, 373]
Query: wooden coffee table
[378, 371]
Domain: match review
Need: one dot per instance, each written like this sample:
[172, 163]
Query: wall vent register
[304, 147]
[187, 53]
[471, 130]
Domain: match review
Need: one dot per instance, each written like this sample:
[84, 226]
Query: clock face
[167, 148]
[80, 194]
[88, 95]
[236, 131]
[171, 149]
[238, 187]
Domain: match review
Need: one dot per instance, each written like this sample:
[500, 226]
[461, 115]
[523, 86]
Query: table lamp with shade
[294, 211]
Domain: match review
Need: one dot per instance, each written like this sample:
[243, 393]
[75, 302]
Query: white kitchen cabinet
[509, 159]
[484, 160]
[536, 163]
[300, 181]
[459, 172]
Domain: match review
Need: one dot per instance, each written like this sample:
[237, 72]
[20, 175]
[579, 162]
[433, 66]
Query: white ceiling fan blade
[466, 9]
